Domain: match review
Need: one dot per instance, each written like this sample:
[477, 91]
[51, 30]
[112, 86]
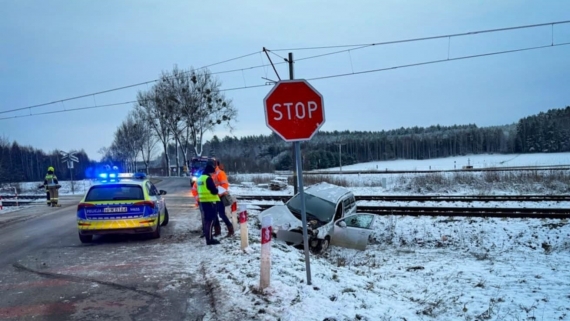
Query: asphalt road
[47, 274]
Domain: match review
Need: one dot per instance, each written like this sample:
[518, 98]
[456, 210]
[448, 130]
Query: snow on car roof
[327, 191]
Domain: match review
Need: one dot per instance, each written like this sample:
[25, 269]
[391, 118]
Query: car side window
[151, 189]
[359, 220]
[349, 204]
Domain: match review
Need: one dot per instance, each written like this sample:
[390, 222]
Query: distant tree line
[545, 132]
[25, 164]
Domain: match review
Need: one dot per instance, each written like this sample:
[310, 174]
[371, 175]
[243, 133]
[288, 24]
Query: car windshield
[315, 207]
[114, 193]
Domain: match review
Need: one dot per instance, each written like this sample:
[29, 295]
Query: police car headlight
[112, 175]
[103, 175]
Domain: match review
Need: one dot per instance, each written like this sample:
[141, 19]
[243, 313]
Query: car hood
[282, 218]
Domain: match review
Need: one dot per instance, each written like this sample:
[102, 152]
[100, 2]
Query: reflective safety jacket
[221, 179]
[207, 190]
[50, 179]
[195, 192]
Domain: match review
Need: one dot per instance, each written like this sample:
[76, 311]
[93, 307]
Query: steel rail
[426, 198]
[540, 213]
[431, 171]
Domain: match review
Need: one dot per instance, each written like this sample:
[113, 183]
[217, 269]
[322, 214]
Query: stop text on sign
[300, 110]
[294, 110]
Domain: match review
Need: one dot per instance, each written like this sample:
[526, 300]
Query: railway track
[555, 213]
[430, 198]
[22, 197]
[458, 170]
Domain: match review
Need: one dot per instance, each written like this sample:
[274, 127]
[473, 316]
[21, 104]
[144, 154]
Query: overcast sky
[52, 50]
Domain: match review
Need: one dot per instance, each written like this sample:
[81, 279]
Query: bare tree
[205, 107]
[195, 106]
[148, 140]
[125, 147]
[149, 106]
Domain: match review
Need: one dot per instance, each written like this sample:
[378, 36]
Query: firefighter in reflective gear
[221, 180]
[51, 180]
[197, 198]
[208, 195]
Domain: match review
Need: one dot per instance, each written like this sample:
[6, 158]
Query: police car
[121, 203]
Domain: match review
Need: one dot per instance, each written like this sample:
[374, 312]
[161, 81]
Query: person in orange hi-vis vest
[194, 192]
[221, 180]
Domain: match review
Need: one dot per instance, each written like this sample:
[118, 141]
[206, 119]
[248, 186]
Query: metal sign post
[295, 111]
[303, 210]
[69, 158]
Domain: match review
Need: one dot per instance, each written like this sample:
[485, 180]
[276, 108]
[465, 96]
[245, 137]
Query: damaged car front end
[324, 205]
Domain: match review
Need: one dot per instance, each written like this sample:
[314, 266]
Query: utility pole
[340, 157]
[294, 152]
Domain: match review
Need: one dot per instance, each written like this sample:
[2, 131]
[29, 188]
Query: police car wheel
[156, 233]
[165, 220]
[85, 238]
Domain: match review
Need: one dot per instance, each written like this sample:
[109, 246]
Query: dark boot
[230, 231]
[217, 230]
[213, 242]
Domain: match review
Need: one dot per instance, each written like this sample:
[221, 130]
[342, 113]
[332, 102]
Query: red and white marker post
[242, 210]
[233, 213]
[265, 276]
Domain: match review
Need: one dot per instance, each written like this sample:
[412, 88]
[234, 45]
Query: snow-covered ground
[477, 161]
[418, 268]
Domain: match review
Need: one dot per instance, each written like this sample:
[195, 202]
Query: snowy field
[427, 268]
[477, 161]
[418, 268]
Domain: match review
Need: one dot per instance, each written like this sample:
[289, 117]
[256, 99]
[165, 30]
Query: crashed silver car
[331, 219]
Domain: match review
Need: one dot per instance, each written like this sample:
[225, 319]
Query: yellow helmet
[51, 169]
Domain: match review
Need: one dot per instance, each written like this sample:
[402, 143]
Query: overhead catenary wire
[438, 61]
[331, 76]
[351, 48]
[427, 38]
[128, 86]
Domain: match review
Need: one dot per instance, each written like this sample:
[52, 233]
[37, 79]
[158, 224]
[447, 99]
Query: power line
[439, 61]
[425, 38]
[331, 76]
[123, 87]
[67, 110]
[352, 47]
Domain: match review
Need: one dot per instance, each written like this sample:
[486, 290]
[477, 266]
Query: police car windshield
[114, 193]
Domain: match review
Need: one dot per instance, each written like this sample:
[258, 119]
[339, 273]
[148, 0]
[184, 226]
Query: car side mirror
[342, 224]
[162, 192]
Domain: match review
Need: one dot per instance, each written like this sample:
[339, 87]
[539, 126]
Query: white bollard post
[265, 252]
[243, 226]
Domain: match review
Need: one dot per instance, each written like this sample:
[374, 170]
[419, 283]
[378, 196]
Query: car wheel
[166, 218]
[85, 238]
[156, 233]
[322, 246]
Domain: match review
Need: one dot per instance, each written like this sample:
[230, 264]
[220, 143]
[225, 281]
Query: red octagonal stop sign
[294, 110]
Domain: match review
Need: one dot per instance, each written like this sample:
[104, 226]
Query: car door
[155, 197]
[353, 231]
